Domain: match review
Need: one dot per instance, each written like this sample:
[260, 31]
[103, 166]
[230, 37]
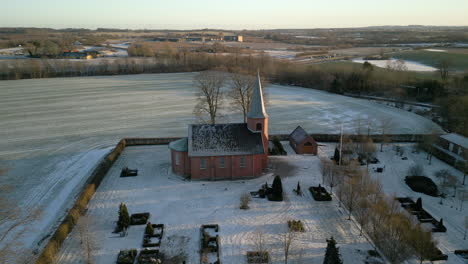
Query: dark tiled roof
[299, 134]
[223, 140]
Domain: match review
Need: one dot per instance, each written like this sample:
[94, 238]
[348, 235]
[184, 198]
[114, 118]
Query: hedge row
[53, 246]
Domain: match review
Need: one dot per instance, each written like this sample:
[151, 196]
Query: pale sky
[230, 14]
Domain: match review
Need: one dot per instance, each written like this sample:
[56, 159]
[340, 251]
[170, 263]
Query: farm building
[302, 142]
[225, 151]
[451, 148]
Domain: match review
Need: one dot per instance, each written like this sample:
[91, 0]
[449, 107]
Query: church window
[242, 162]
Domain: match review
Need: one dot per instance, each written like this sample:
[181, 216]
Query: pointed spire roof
[257, 107]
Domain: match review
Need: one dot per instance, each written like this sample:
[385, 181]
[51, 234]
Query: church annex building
[225, 151]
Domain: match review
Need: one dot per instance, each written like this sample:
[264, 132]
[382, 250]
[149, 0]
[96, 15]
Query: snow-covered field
[55, 130]
[183, 206]
[410, 65]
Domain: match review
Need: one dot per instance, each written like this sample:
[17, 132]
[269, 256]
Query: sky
[230, 14]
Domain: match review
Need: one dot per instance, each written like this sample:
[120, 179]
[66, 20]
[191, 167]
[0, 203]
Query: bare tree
[422, 243]
[87, 239]
[427, 145]
[466, 227]
[462, 196]
[444, 69]
[287, 240]
[244, 200]
[452, 182]
[385, 127]
[210, 95]
[259, 241]
[330, 173]
[362, 213]
[241, 90]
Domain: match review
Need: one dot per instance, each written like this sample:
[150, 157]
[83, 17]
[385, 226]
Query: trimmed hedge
[319, 193]
[126, 256]
[422, 184]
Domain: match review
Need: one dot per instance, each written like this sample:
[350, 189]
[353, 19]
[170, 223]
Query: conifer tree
[332, 255]
[124, 218]
[336, 156]
[149, 229]
[277, 189]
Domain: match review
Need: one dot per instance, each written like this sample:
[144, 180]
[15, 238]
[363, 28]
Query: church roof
[179, 145]
[223, 140]
[257, 106]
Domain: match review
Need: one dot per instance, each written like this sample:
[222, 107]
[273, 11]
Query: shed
[302, 142]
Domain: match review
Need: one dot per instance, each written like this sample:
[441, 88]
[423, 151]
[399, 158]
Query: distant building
[451, 148]
[237, 38]
[302, 142]
[225, 151]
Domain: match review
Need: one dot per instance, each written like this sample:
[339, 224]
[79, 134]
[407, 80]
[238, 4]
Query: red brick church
[225, 151]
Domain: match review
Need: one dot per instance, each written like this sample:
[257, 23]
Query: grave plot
[319, 193]
[209, 252]
[126, 172]
[423, 216]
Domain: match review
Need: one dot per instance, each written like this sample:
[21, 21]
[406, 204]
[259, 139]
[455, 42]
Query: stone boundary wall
[49, 252]
[412, 138]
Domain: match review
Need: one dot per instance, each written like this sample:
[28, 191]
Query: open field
[55, 130]
[458, 61]
[167, 197]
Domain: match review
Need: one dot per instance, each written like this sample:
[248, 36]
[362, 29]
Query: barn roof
[257, 107]
[299, 134]
[223, 140]
[456, 139]
[179, 145]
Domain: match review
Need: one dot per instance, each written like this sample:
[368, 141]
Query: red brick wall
[184, 163]
[252, 124]
[232, 170]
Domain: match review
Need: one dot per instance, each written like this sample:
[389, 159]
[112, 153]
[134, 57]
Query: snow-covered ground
[392, 180]
[410, 65]
[282, 54]
[55, 130]
[183, 206]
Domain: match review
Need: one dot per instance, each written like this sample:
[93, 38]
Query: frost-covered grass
[55, 130]
[393, 183]
[458, 61]
[183, 206]
[410, 65]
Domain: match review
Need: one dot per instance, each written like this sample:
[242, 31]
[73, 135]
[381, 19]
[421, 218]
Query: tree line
[394, 232]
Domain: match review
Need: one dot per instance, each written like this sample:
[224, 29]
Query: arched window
[259, 126]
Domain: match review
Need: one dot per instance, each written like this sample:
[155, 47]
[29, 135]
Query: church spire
[257, 107]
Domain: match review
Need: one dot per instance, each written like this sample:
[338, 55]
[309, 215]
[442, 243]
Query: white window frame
[202, 163]
[242, 162]
[222, 162]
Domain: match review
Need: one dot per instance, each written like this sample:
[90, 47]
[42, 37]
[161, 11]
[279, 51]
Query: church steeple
[257, 107]
[257, 118]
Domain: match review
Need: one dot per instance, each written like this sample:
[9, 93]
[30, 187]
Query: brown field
[457, 50]
[365, 51]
